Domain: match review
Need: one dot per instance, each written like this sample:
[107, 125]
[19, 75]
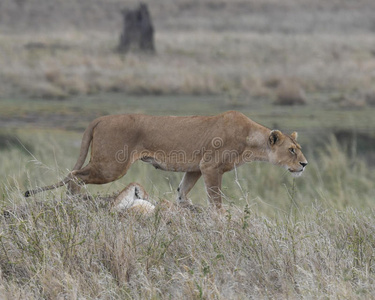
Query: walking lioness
[206, 146]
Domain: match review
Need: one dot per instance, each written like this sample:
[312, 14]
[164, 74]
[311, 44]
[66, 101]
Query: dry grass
[231, 48]
[246, 64]
[370, 97]
[70, 248]
[289, 92]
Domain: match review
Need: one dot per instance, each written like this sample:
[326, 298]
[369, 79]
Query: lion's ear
[294, 135]
[274, 137]
[136, 193]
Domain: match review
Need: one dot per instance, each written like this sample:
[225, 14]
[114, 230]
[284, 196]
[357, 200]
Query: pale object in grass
[133, 199]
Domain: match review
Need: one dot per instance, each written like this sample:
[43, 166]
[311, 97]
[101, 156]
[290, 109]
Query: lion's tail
[49, 187]
[85, 145]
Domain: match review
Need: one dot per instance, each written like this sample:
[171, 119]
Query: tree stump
[138, 31]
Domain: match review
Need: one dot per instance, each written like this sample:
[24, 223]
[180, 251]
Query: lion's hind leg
[74, 188]
[100, 173]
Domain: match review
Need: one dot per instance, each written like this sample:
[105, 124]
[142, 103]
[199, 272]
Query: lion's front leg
[212, 180]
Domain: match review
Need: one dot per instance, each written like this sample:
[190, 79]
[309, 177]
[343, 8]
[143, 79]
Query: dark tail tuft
[27, 194]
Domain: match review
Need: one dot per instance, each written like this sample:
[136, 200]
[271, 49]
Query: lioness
[205, 146]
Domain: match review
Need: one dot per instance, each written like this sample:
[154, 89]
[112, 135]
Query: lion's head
[127, 197]
[286, 152]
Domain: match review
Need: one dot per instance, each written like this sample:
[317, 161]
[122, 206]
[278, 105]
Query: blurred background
[294, 65]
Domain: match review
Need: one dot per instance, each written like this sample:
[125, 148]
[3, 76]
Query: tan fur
[206, 146]
[133, 199]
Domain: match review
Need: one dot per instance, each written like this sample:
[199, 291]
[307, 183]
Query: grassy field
[279, 238]
[285, 238]
[64, 248]
[244, 67]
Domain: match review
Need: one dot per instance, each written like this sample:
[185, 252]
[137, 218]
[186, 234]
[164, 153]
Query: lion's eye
[292, 150]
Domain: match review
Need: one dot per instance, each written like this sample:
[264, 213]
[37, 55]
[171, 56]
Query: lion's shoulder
[233, 113]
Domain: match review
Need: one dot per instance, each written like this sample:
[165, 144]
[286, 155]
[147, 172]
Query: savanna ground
[281, 238]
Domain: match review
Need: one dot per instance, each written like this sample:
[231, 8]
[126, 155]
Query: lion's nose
[303, 164]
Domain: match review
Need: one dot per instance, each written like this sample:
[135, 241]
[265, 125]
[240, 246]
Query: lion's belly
[172, 164]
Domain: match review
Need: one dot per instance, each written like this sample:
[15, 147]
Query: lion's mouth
[296, 173]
